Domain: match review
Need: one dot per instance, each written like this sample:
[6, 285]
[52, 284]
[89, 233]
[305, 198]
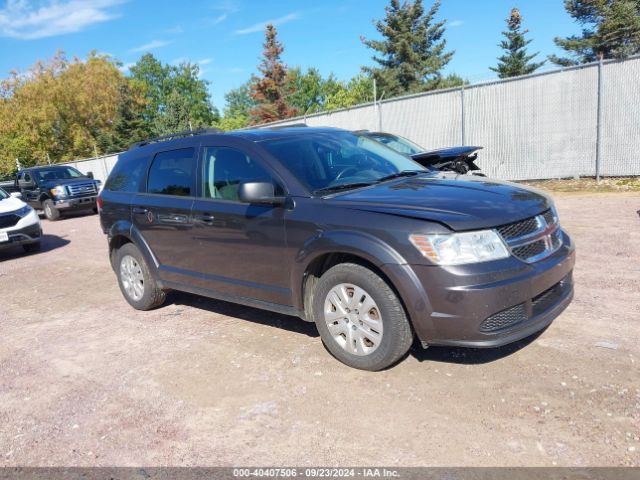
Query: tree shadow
[47, 243]
[254, 315]
[470, 356]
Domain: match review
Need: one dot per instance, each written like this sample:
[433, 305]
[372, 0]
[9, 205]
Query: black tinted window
[126, 174]
[171, 173]
[225, 168]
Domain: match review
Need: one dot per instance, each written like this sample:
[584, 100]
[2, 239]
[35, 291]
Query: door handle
[205, 218]
[140, 210]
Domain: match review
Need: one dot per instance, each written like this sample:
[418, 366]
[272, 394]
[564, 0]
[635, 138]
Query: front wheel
[136, 282]
[50, 211]
[360, 318]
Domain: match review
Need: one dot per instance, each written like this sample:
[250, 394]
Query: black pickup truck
[55, 189]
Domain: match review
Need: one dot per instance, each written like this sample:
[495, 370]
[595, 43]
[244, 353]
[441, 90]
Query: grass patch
[585, 185]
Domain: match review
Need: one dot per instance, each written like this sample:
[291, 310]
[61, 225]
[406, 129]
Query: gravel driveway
[86, 380]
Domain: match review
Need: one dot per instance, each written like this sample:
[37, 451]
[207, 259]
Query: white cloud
[24, 20]
[259, 27]
[177, 30]
[205, 61]
[151, 45]
[219, 19]
[455, 23]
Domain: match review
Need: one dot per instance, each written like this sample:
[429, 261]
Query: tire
[379, 337]
[32, 247]
[50, 211]
[137, 285]
[94, 209]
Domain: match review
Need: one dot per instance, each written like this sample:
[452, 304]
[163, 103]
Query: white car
[19, 223]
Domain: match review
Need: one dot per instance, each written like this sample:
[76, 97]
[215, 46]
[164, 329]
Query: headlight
[461, 248]
[24, 211]
[58, 192]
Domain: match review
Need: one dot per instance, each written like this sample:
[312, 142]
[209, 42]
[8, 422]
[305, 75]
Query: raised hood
[461, 202]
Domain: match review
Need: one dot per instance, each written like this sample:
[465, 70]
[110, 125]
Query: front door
[239, 248]
[162, 214]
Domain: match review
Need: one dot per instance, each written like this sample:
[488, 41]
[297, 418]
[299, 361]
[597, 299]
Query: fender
[378, 253]
[124, 228]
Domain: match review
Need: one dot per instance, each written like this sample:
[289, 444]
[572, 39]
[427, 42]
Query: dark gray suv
[339, 230]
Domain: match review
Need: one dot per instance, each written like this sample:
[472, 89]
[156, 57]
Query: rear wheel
[50, 210]
[360, 318]
[136, 282]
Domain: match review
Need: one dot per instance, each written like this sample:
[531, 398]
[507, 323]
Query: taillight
[99, 203]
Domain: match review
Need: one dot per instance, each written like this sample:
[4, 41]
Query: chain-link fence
[579, 121]
[573, 122]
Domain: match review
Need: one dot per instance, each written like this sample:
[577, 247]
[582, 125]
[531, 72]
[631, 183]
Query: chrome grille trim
[547, 234]
[78, 189]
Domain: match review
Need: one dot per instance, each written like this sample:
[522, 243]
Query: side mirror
[16, 195]
[90, 174]
[262, 193]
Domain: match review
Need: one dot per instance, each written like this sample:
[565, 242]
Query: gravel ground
[87, 381]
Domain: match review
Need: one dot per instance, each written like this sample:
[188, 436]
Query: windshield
[57, 173]
[399, 144]
[323, 161]
[3, 194]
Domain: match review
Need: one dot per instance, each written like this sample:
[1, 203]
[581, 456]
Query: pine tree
[270, 90]
[412, 54]
[515, 61]
[129, 125]
[610, 29]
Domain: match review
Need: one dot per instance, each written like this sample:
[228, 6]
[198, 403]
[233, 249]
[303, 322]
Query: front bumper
[26, 231]
[489, 304]
[77, 203]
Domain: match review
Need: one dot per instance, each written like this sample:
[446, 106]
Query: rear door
[28, 188]
[162, 214]
[239, 248]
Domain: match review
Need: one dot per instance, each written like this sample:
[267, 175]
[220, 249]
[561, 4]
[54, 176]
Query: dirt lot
[86, 380]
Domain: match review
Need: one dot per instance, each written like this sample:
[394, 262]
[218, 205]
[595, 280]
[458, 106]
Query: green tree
[270, 90]
[358, 90]
[130, 125]
[610, 28]
[237, 112]
[515, 60]
[160, 81]
[310, 89]
[175, 116]
[412, 54]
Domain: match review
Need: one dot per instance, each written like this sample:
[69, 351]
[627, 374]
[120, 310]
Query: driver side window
[225, 168]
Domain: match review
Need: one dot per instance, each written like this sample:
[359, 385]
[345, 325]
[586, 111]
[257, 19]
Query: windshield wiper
[403, 173]
[344, 186]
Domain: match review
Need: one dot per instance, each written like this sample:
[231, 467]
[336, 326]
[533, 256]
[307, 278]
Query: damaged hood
[461, 202]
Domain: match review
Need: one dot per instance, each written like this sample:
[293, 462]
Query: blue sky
[225, 36]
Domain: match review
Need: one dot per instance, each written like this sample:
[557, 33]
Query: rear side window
[125, 176]
[171, 173]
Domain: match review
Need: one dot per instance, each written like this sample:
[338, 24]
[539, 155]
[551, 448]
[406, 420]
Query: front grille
[549, 218]
[79, 189]
[534, 238]
[504, 319]
[7, 221]
[530, 250]
[519, 229]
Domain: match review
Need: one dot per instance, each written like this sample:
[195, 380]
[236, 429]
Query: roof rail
[171, 136]
[291, 125]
